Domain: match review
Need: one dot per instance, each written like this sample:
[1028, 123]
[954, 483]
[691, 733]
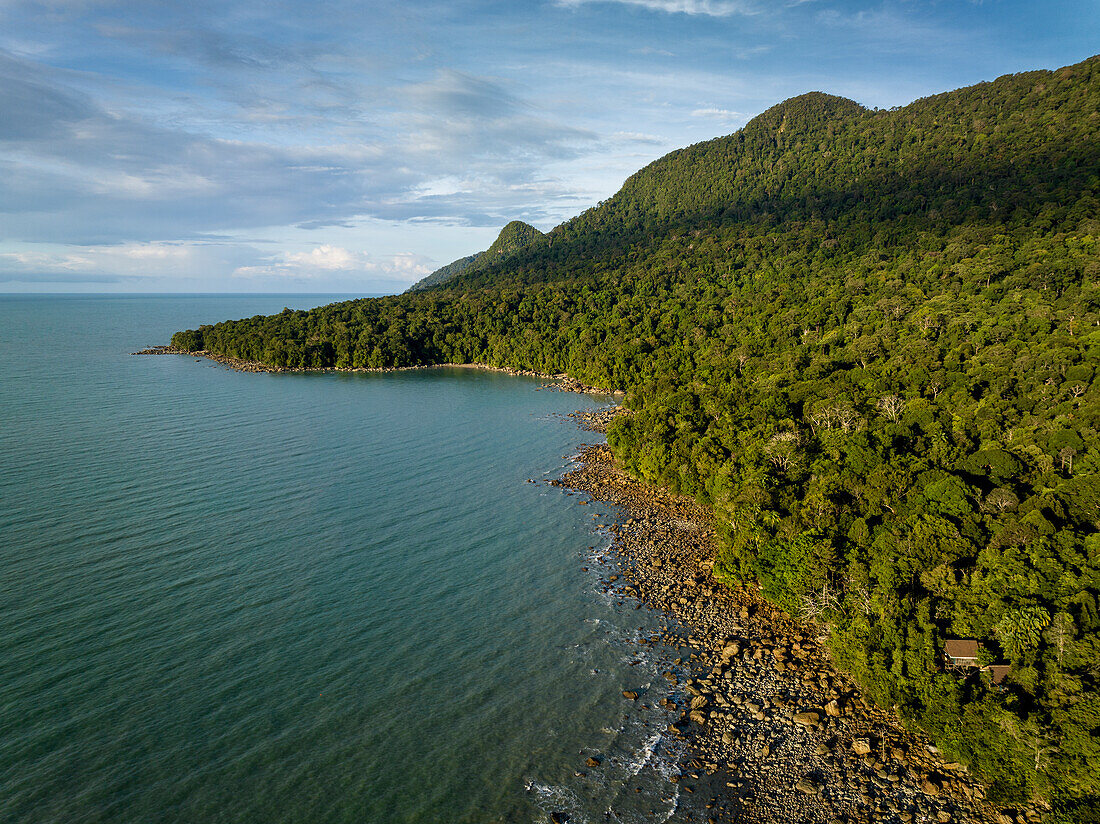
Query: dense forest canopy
[868, 339]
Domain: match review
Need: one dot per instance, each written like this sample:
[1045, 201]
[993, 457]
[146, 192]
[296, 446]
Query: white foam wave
[649, 748]
[550, 798]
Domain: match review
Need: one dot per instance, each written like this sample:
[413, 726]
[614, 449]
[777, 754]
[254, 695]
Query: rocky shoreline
[774, 732]
[559, 383]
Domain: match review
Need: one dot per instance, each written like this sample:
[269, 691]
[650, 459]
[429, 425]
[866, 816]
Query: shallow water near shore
[314, 597]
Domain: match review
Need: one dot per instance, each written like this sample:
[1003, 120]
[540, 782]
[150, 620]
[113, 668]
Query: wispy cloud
[69, 166]
[709, 8]
[725, 115]
[137, 262]
[125, 260]
[161, 139]
[892, 28]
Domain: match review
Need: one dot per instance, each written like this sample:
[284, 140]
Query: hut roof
[998, 672]
[961, 648]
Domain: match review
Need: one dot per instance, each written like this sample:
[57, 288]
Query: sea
[231, 597]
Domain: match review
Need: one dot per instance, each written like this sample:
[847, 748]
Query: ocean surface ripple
[300, 598]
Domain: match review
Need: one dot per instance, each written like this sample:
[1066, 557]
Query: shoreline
[561, 382]
[773, 731]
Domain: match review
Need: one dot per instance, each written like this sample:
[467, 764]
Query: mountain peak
[806, 110]
[513, 237]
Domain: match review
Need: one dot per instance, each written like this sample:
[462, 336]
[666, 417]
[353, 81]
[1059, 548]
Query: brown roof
[998, 672]
[960, 648]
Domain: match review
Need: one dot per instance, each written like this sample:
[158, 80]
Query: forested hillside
[512, 238]
[868, 339]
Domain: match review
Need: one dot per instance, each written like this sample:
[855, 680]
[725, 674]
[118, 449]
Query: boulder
[861, 746]
[630, 695]
[807, 786]
[592, 761]
[832, 709]
[806, 719]
[931, 786]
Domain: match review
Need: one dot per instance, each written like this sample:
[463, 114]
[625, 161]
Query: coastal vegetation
[868, 339]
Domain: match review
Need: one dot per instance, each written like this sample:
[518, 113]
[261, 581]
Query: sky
[354, 147]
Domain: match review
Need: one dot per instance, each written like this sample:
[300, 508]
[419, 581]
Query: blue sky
[355, 146]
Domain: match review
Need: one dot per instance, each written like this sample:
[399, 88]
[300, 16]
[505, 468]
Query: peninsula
[865, 343]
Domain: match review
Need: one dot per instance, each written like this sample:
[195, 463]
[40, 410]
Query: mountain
[514, 237]
[444, 273]
[869, 340]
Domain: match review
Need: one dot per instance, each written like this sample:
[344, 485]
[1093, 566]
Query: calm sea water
[234, 597]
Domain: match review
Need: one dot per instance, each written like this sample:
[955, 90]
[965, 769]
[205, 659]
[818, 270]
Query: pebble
[762, 705]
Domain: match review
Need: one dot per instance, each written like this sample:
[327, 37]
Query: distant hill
[870, 341]
[512, 238]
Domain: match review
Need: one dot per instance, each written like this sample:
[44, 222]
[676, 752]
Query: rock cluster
[597, 420]
[564, 383]
[764, 712]
[233, 363]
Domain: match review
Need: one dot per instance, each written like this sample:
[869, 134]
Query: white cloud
[321, 262]
[709, 8]
[326, 258]
[724, 115]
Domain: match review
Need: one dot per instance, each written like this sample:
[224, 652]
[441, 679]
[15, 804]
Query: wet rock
[592, 761]
[630, 695]
[741, 652]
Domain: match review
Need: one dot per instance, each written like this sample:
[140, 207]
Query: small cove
[323, 597]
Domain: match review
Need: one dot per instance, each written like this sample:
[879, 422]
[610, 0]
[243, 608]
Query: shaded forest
[512, 238]
[869, 340]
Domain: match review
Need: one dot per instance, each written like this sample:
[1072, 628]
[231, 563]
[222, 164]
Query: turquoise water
[234, 597]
